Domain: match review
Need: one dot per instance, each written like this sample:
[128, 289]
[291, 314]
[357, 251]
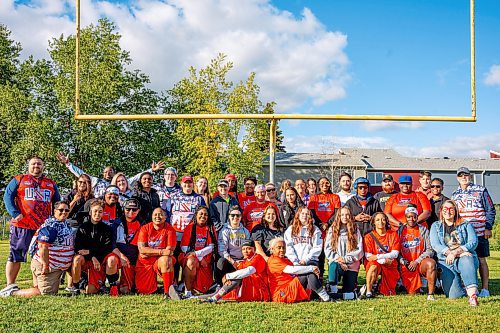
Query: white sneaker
[484, 293]
[431, 297]
[7, 291]
[188, 294]
[362, 292]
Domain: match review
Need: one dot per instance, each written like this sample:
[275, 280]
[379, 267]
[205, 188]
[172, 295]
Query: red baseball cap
[230, 176]
[186, 179]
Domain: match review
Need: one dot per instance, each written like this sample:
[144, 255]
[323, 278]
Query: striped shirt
[476, 207]
[59, 237]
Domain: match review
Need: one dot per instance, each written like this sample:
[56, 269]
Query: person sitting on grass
[382, 248]
[156, 243]
[231, 238]
[199, 250]
[289, 283]
[455, 241]
[53, 256]
[344, 251]
[416, 255]
[94, 254]
[248, 283]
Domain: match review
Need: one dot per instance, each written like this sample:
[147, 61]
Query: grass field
[152, 314]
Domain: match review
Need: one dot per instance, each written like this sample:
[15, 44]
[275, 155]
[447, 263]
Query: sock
[188, 293]
[167, 278]
[348, 296]
[323, 294]
[218, 295]
[113, 279]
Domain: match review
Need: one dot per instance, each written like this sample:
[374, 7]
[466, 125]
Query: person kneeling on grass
[156, 243]
[199, 250]
[247, 284]
[289, 283]
[94, 254]
[381, 247]
[416, 254]
[455, 241]
[344, 251]
[53, 254]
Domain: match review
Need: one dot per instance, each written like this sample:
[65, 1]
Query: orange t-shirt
[253, 288]
[412, 244]
[397, 204]
[245, 199]
[324, 205]
[156, 239]
[390, 241]
[284, 287]
[252, 214]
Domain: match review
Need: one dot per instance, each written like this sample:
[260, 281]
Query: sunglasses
[61, 210]
[234, 215]
[435, 186]
[463, 174]
[270, 190]
[132, 209]
[363, 187]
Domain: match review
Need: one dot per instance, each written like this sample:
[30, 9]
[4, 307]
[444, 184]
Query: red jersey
[156, 239]
[412, 243]
[253, 288]
[284, 287]
[133, 229]
[324, 205]
[252, 214]
[397, 204]
[34, 200]
[390, 241]
[245, 199]
[109, 213]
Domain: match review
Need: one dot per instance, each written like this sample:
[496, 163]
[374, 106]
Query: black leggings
[310, 281]
[223, 267]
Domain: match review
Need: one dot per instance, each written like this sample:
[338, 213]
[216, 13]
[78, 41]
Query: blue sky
[336, 56]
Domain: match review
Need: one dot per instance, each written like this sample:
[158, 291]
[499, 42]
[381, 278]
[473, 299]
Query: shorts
[146, 274]
[97, 278]
[19, 239]
[483, 247]
[47, 284]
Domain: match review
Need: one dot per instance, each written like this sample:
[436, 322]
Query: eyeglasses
[448, 209]
[234, 215]
[61, 210]
[132, 209]
[82, 182]
[435, 186]
[270, 190]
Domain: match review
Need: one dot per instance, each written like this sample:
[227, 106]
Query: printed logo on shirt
[411, 242]
[302, 240]
[404, 201]
[324, 206]
[35, 194]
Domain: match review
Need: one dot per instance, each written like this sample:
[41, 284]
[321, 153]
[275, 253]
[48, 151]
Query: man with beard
[28, 199]
[387, 190]
[345, 182]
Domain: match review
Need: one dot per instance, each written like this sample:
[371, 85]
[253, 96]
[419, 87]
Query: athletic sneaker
[73, 291]
[9, 287]
[113, 291]
[484, 293]
[431, 297]
[209, 300]
[362, 292]
[369, 295]
[174, 295]
[473, 300]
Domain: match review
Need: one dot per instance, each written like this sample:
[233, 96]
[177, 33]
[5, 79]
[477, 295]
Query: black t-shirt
[382, 197]
[451, 236]
[264, 235]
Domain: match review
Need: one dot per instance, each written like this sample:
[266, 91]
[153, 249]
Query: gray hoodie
[230, 240]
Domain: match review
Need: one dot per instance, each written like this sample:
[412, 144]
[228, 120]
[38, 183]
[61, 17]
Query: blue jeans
[463, 272]
[349, 278]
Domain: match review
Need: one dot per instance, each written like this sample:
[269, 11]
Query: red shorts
[127, 277]
[411, 280]
[204, 275]
[390, 276]
[97, 278]
[146, 276]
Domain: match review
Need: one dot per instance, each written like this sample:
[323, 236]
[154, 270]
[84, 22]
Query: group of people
[120, 235]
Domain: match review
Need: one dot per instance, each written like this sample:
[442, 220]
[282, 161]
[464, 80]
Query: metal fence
[4, 227]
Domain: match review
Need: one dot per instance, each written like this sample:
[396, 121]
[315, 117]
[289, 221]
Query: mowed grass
[152, 314]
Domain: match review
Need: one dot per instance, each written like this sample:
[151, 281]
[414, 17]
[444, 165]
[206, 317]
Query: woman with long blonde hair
[344, 251]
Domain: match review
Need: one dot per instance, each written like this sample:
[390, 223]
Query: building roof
[384, 159]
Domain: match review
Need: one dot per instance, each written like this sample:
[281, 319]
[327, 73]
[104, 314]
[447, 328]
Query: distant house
[373, 163]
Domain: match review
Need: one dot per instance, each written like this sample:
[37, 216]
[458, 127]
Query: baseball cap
[230, 176]
[405, 179]
[131, 203]
[174, 170]
[260, 187]
[186, 179]
[463, 170]
[223, 182]
[387, 177]
[248, 242]
[361, 180]
[112, 189]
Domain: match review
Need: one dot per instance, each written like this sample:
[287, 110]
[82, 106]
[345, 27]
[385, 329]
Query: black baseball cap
[131, 203]
[387, 177]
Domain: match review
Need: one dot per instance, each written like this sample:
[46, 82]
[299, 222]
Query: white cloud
[492, 78]
[329, 144]
[378, 125]
[297, 60]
